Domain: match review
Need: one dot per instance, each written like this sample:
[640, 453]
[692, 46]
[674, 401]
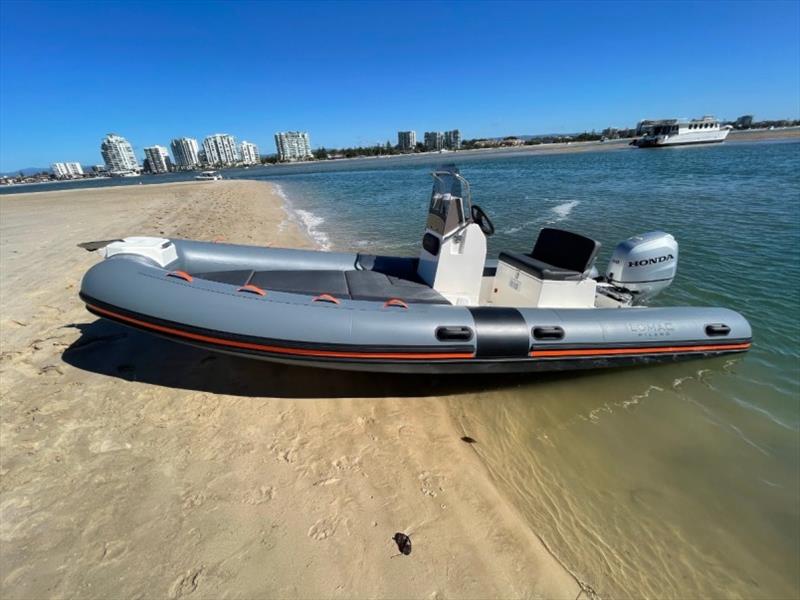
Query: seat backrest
[565, 249]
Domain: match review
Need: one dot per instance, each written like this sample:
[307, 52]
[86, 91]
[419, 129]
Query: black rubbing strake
[500, 332]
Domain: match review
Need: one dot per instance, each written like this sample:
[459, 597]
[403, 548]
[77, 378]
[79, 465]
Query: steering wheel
[479, 217]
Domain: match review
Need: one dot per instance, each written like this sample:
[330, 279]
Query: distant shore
[747, 135]
[736, 136]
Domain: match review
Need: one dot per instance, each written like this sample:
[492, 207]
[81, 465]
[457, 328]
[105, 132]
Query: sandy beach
[133, 467]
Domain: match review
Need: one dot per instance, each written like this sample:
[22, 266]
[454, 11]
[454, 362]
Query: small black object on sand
[469, 440]
[403, 543]
[99, 244]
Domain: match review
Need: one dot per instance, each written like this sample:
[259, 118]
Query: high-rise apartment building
[249, 153]
[64, 170]
[185, 152]
[293, 145]
[118, 154]
[158, 159]
[434, 140]
[221, 149]
[407, 140]
[452, 139]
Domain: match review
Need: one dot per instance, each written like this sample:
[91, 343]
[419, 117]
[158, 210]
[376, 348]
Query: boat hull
[346, 331]
[683, 139]
[423, 359]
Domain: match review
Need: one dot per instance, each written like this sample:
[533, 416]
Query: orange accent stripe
[280, 349]
[253, 289]
[325, 298]
[395, 302]
[181, 275]
[654, 350]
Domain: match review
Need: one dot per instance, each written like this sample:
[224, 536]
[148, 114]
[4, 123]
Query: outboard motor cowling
[644, 265]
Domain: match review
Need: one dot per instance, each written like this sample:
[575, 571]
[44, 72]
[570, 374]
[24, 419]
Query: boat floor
[354, 285]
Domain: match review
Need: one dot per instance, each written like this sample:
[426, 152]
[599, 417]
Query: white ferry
[124, 174]
[673, 132]
[208, 176]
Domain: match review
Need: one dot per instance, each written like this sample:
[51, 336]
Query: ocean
[678, 480]
[675, 481]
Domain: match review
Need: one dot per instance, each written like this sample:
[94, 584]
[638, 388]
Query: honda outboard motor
[643, 265]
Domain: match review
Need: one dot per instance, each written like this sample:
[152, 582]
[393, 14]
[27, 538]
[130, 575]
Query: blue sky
[355, 73]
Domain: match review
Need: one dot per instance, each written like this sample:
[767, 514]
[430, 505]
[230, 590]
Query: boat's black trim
[477, 366]
[653, 145]
[553, 332]
[453, 333]
[717, 329]
[500, 332]
[641, 344]
[431, 244]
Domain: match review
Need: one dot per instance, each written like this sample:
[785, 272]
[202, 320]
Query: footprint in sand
[185, 584]
[263, 494]
[50, 370]
[194, 500]
[430, 483]
[324, 528]
[113, 550]
[108, 445]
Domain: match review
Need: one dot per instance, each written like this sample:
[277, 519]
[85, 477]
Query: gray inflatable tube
[362, 312]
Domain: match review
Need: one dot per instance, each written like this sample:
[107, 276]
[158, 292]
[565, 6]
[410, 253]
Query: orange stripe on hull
[280, 349]
[654, 350]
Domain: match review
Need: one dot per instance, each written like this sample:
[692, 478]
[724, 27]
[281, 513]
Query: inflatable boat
[448, 310]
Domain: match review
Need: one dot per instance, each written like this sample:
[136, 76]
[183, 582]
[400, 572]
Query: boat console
[559, 272]
[453, 252]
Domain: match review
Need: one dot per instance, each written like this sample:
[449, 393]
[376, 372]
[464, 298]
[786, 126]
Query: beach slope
[134, 467]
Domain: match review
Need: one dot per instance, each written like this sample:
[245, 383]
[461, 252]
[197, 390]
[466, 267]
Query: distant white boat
[674, 132]
[208, 176]
[124, 174]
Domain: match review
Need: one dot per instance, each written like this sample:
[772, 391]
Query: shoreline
[304, 219]
[135, 466]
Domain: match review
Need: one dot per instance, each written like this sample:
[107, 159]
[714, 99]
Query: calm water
[675, 481]
[669, 481]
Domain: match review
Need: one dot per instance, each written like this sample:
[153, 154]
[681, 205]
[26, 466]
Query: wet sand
[134, 467]
[753, 135]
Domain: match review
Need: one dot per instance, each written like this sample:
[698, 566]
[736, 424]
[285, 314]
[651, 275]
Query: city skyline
[222, 149]
[218, 149]
[559, 70]
[292, 146]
